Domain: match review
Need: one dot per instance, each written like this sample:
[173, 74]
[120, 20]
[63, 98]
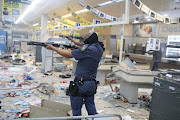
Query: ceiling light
[165, 15]
[148, 19]
[117, 0]
[81, 11]
[27, 10]
[105, 3]
[48, 21]
[36, 24]
[65, 16]
[57, 26]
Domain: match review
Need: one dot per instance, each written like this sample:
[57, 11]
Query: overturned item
[65, 76]
[50, 109]
[48, 74]
[59, 67]
[46, 88]
[18, 61]
[128, 63]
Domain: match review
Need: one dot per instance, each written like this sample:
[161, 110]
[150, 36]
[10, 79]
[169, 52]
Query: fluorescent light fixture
[148, 19]
[105, 3]
[109, 2]
[27, 11]
[77, 12]
[57, 26]
[81, 11]
[117, 0]
[65, 16]
[165, 15]
[36, 24]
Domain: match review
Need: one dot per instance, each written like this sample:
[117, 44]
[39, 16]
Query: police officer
[84, 86]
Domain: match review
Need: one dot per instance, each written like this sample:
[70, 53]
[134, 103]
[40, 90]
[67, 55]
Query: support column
[127, 10]
[47, 55]
[121, 44]
[44, 19]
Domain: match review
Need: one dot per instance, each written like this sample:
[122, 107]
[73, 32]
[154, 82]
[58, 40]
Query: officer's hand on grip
[70, 38]
[50, 47]
[73, 47]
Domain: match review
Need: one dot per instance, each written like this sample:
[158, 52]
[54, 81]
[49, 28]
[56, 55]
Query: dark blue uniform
[88, 57]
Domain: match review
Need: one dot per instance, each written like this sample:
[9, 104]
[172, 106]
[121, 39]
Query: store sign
[25, 2]
[11, 8]
[21, 1]
[96, 21]
[170, 29]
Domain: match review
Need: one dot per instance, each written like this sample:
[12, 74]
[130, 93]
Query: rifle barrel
[54, 44]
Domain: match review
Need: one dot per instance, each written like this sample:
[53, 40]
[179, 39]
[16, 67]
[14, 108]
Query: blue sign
[3, 41]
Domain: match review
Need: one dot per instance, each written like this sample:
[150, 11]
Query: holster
[73, 88]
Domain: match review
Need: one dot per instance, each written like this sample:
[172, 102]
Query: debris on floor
[22, 86]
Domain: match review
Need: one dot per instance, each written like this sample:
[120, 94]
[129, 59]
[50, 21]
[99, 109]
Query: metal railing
[76, 117]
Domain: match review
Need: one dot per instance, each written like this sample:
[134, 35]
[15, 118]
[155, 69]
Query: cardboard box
[49, 109]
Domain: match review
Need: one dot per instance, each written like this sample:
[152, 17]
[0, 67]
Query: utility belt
[73, 87]
[81, 80]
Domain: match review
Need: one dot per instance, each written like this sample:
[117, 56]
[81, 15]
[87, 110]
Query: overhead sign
[77, 24]
[81, 3]
[25, 2]
[22, 1]
[11, 7]
[114, 19]
[108, 17]
[145, 9]
[152, 14]
[153, 44]
[96, 21]
[102, 15]
[95, 11]
[160, 17]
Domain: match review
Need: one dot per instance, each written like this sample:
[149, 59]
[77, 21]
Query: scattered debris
[108, 95]
[129, 110]
[144, 102]
[46, 88]
[48, 74]
[100, 111]
[64, 81]
[28, 78]
[65, 76]
[127, 117]
[18, 61]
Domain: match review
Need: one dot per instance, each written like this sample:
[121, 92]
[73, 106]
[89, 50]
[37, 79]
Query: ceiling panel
[44, 6]
[116, 9]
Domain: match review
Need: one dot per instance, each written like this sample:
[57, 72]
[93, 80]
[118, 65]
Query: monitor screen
[15, 12]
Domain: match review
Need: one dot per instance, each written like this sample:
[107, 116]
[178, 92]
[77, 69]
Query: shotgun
[67, 46]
